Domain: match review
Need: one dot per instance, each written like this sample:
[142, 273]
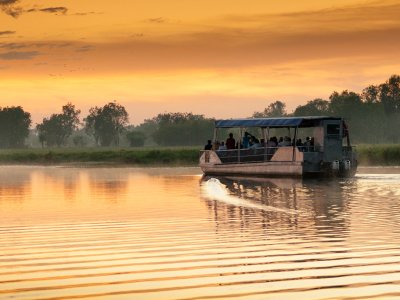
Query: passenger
[307, 144]
[222, 147]
[255, 143]
[280, 142]
[230, 142]
[208, 146]
[299, 144]
[246, 140]
[272, 143]
[286, 141]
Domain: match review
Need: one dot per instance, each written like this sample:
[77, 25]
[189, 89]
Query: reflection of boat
[279, 202]
[322, 155]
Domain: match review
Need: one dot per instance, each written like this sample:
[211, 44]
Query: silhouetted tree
[106, 123]
[136, 138]
[14, 126]
[275, 109]
[370, 94]
[56, 129]
[346, 104]
[173, 129]
[316, 107]
[390, 95]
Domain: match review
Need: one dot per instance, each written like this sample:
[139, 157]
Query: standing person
[230, 142]
[208, 146]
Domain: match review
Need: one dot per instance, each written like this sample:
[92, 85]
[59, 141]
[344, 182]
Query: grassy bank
[368, 155]
[379, 155]
[145, 157]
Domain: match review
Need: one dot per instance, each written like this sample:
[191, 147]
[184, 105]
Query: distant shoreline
[368, 156]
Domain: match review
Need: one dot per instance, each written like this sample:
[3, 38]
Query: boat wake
[213, 189]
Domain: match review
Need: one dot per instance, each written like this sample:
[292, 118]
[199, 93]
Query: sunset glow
[217, 58]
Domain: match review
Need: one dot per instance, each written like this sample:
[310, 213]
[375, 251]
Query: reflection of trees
[109, 183]
[64, 183]
[13, 184]
[322, 206]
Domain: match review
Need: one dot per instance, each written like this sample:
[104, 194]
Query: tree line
[373, 116]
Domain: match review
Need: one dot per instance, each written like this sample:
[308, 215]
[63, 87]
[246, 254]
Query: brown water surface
[126, 233]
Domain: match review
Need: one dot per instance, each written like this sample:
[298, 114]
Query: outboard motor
[347, 165]
[335, 166]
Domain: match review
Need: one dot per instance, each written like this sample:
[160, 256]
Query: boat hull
[211, 164]
[269, 169]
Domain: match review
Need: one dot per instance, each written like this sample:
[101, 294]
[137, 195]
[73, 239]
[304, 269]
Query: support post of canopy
[215, 137]
[239, 142]
[294, 144]
[264, 133]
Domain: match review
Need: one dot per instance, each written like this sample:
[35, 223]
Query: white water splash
[213, 189]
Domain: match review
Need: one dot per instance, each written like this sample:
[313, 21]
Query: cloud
[14, 55]
[53, 10]
[10, 8]
[12, 46]
[85, 48]
[8, 2]
[374, 15]
[7, 32]
[156, 20]
[87, 13]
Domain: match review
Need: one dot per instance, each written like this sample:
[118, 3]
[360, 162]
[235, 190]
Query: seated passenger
[230, 142]
[222, 146]
[307, 144]
[285, 142]
[254, 142]
[272, 143]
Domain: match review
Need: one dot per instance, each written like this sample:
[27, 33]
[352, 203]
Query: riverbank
[103, 156]
[368, 155]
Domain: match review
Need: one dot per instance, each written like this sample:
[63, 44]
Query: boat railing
[259, 154]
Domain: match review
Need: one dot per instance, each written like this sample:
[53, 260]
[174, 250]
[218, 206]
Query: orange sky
[218, 58]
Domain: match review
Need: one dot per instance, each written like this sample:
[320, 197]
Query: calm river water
[126, 233]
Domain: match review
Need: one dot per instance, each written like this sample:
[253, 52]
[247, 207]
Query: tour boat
[308, 146]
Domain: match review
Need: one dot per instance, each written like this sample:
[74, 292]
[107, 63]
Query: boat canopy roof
[273, 122]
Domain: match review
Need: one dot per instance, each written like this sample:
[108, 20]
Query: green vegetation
[107, 123]
[379, 155]
[14, 126]
[368, 155]
[118, 156]
[56, 129]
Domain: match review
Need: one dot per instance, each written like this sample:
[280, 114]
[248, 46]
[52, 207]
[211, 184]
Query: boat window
[333, 129]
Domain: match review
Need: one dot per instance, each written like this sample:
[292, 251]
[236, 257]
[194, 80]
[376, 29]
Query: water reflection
[125, 233]
[283, 204]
